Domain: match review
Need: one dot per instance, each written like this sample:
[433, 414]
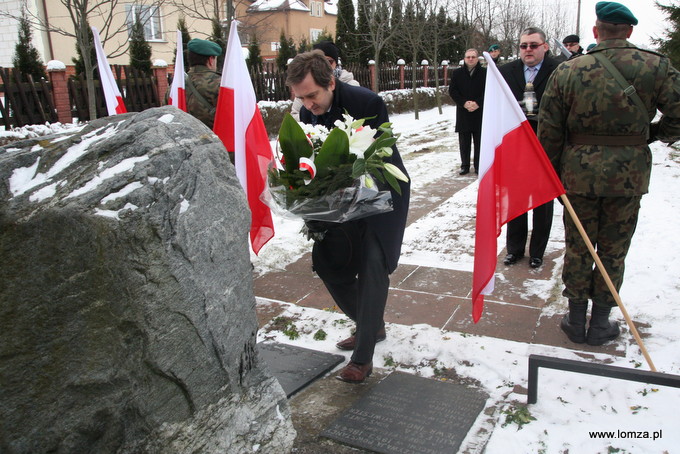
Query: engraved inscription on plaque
[408, 414]
[296, 367]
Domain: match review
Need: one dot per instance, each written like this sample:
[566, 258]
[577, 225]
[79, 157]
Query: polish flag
[114, 100]
[177, 96]
[515, 176]
[238, 122]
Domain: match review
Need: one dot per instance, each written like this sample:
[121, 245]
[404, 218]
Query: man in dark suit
[533, 67]
[355, 258]
[467, 91]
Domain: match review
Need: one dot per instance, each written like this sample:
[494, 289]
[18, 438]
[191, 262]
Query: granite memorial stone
[127, 315]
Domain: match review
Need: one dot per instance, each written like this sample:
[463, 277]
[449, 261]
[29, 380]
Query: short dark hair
[607, 30]
[533, 31]
[313, 62]
[197, 59]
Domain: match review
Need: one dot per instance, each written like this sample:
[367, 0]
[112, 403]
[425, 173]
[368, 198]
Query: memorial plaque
[296, 367]
[408, 414]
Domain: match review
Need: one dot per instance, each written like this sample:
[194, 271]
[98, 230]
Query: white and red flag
[177, 95]
[515, 176]
[114, 100]
[238, 122]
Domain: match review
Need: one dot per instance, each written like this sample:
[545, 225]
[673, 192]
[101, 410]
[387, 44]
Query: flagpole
[608, 280]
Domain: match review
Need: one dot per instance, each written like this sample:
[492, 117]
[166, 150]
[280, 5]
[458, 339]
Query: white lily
[396, 172]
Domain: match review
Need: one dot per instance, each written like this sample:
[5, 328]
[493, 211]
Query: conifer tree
[364, 49]
[286, 51]
[254, 60]
[26, 57]
[218, 37]
[140, 50]
[304, 46]
[345, 31]
[670, 45]
[186, 37]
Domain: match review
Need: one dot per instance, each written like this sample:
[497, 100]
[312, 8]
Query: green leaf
[358, 168]
[334, 152]
[293, 143]
[376, 173]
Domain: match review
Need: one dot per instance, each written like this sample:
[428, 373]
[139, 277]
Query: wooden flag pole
[608, 280]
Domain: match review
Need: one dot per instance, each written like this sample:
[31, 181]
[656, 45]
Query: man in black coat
[355, 258]
[533, 67]
[467, 91]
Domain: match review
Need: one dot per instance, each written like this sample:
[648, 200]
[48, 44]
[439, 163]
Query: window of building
[314, 34]
[150, 16]
[316, 9]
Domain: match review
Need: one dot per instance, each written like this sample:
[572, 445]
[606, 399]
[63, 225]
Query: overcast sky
[652, 23]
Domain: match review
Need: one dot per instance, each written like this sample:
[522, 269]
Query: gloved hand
[316, 230]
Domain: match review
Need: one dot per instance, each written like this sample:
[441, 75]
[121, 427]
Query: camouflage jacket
[207, 83]
[583, 98]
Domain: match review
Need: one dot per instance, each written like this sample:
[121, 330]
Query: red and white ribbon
[308, 165]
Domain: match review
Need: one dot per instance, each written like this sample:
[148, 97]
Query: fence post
[445, 67]
[401, 63]
[425, 64]
[160, 73]
[56, 71]
[371, 70]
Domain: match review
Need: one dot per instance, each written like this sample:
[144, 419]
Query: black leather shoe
[464, 172]
[351, 341]
[511, 259]
[535, 262]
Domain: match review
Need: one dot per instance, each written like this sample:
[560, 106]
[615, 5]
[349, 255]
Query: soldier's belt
[591, 139]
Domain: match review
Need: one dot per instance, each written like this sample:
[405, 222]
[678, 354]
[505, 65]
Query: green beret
[203, 47]
[614, 13]
[494, 47]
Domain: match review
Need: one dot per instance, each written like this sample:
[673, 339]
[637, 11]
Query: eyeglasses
[570, 44]
[532, 46]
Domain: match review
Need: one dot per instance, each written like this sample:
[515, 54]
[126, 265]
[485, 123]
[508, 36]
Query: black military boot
[574, 323]
[601, 330]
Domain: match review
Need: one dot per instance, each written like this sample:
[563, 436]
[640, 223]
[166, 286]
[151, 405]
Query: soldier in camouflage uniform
[596, 136]
[203, 83]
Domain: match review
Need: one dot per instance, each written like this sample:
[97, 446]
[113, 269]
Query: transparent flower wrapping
[332, 176]
[354, 202]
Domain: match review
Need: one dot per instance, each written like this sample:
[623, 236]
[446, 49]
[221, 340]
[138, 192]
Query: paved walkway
[441, 297]
[424, 295]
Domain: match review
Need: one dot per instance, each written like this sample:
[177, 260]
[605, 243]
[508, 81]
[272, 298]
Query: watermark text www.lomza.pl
[627, 434]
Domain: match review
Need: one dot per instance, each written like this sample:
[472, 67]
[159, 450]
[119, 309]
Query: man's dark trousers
[518, 231]
[465, 143]
[360, 290]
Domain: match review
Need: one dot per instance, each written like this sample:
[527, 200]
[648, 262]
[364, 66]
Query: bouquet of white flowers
[331, 176]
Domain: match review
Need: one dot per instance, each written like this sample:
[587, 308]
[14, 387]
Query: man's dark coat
[360, 102]
[513, 73]
[465, 87]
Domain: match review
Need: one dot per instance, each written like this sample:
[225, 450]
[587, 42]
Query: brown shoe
[351, 341]
[355, 373]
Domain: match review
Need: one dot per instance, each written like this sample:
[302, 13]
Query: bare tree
[512, 20]
[438, 35]
[377, 31]
[413, 33]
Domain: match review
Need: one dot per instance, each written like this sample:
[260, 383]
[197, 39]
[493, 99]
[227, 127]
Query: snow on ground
[570, 406]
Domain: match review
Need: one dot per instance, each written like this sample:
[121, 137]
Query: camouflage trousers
[610, 224]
